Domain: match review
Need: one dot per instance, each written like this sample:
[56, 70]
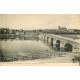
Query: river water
[23, 46]
[29, 47]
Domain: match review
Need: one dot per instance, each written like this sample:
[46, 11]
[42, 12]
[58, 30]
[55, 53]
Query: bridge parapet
[68, 44]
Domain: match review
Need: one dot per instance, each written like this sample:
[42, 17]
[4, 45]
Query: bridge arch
[52, 42]
[58, 45]
[47, 39]
[68, 47]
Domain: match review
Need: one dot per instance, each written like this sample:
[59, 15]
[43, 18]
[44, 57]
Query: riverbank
[57, 57]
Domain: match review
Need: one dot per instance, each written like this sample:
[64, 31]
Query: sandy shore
[54, 59]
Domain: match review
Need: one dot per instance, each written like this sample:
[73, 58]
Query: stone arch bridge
[60, 43]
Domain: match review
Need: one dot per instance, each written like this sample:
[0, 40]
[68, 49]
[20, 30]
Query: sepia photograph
[40, 39]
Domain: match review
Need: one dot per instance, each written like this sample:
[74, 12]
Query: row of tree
[49, 31]
[14, 31]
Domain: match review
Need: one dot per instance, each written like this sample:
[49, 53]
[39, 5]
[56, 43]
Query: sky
[39, 21]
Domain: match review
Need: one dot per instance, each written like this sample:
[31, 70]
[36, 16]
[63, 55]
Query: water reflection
[18, 37]
[27, 47]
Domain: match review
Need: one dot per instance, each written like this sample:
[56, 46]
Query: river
[24, 46]
[29, 47]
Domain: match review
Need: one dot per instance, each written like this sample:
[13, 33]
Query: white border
[39, 6]
[39, 73]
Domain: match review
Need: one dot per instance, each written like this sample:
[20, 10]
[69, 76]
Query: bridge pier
[41, 38]
[60, 43]
[76, 48]
[44, 38]
[47, 39]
